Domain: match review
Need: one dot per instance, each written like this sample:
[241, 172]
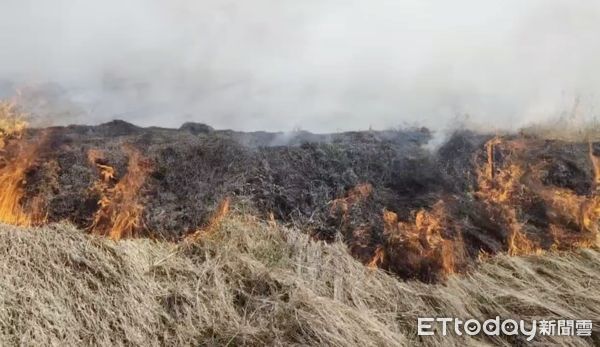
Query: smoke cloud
[319, 65]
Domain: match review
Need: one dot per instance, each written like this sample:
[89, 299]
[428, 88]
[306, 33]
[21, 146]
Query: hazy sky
[320, 65]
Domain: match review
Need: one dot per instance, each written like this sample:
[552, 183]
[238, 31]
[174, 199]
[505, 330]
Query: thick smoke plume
[317, 65]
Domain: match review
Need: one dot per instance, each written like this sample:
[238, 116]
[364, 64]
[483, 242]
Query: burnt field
[396, 204]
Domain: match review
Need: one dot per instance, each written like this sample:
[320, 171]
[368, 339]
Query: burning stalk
[429, 247]
[120, 212]
[498, 187]
[221, 212]
[18, 156]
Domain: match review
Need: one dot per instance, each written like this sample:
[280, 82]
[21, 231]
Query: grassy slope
[254, 284]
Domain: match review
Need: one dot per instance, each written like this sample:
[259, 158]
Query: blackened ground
[297, 176]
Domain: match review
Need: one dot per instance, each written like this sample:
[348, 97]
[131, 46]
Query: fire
[107, 172]
[12, 180]
[12, 123]
[497, 184]
[517, 204]
[120, 211]
[377, 259]
[489, 148]
[499, 188]
[18, 156]
[503, 189]
[428, 247]
[591, 208]
[514, 210]
[355, 195]
[581, 210]
[360, 237]
[517, 242]
[215, 222]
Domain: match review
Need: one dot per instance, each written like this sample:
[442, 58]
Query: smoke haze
[323, 65]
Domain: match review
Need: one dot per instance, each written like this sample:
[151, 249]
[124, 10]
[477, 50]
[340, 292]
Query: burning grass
[424, 248]
[120, 212]
[17, 157]
[508, 207]
[396, 205]
[251, 283]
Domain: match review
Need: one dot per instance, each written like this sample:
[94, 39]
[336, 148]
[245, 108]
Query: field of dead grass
[251, 283]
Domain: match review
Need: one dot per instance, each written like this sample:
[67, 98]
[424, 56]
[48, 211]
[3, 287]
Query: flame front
[120, 211]
[511, 185]
[516, 203]
[429, 247]
[498, 187]
[17, 157]
[498, 215]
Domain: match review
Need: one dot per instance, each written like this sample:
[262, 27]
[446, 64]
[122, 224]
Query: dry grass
[253, 284]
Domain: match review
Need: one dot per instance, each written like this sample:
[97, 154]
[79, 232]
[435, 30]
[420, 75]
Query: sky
[317, 65]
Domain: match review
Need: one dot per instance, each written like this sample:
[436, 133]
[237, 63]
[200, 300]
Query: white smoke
[318, 65]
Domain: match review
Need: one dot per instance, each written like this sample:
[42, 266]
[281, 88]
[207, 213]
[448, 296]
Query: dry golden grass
[254, 284]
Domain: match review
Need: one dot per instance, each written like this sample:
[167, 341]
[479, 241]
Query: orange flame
[355, 195]
[12, 122]
[360, 237]
[504, 190]
[498, 186]
[583, 210]
[213, 225]
[12, 180]
[377, 259]
[14, 168]
[425, 247]
[107, 173]
[120, 211]
[591, 208]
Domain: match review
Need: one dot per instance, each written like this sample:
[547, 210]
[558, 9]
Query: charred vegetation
[396, 204]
